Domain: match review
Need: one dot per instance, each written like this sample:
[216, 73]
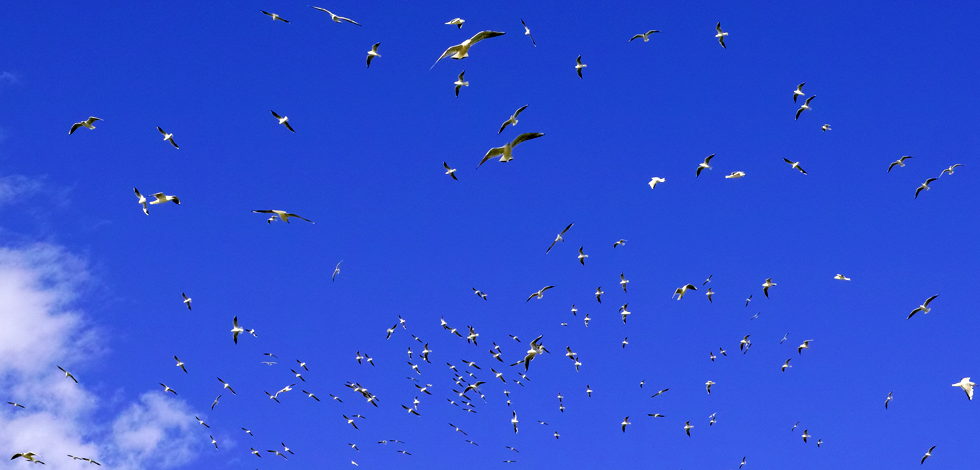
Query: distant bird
[704, 165]
[659, 393]
[539, 294]
[766, 285]
[735, 175]
[142, 201]
[967, 387]
[459, 84]
[687, 428]
[624, 341]
[527, 32]
[721, 40]
[722, 350]
[274, 16]
[806, 106]
[709, 294]
[16, 405]
[479, 293]
[284, 120]
[280, 454]
[514, 421]
[805, 345]
[456, 21]
[536, 348]
[336, 18]
[310, 395]
[336, 271]
[187, 302]
[391, 330]
[626, 422]
[924, 308]
[461, 51]
[924, 186]
[784, 338]
[928, 454]
[786, 365]
[225, 384]
[655, 415]
[411, 410]
[794, 426]
[350, 421]
[798, 91]
[743, 463]
[512, 120]
[167, 389]
[302, 364]
[748, 300]
[298, 375]
[889, 399]
[679, 292]
[180, 364]
[236, 329]
[841, 277]
[199, 420]
[581, 255]
[622, 279]
[579, 66]
[283, 215]
[163, 198]
[506, 151]
[805, 435]
[621, 241]
[598, 294]
[900, 162]
[711, 356]
[745, 343]
[795, 165]
[168, 136]
[28, 456]
[653, 182]
[708, 385]
[86, 123]
[712, 419]
[950, 169]
[373, 53]
[825, 127]
[645, 36]
[68, 374]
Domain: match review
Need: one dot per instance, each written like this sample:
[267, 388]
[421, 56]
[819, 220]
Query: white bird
[622, 241]
[225, 384]
[187, 300]
[745, 344]
[142, 201]
[900, 162]
[373, 53]
[622, 279]
[626, 421]
[236, 329]
[411, 410]
[275, 16]
[924, 308]
[86, 123]
[625, 342]
[512, 120]
[456, 21]
[735, 175]
[704, 165]
[284, 120]
[743, 463]
[581, 255]
[841, 277]
[825, 127]
[506, 151]
[798, 91]
[598, 293]
[68, 374]
[679, 292]
[163, 198]
[514, 421]
[450, 171]
[310, 395]
[28, 456]
[180, 364]
[786, 365]
[805, 435]
[167, 136]
[579, 66]
[16, 405]
[766, 285]
[536, 349]
[167, 389]
[687, 428]
[460, 83]
[950, 169]
[298, 375]
[201, 421]
[967, 387]
[924, 186]
[336, 271]
[559, 238]
[888, 399]
[645, 36]
[709, 294]
[336, 18]
[539, 294]
[625, 313]
[795, 165]
[527, 32]
[708, 385]
[721, 35]
[653, 182]
[806, 106]
[928, 454]
[283, 215]
[461, 51]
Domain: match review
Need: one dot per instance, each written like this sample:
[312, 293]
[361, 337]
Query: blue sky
[93, 285]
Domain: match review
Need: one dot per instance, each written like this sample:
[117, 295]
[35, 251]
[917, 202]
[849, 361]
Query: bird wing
[930, 300]
[173, 142]
[566, 228]
[490, 154]
[718, 27]
[787, 160]
[484, 35]
[288, 126]
[526, 136]
[892, 165]
[322, 9]
[518, 112]
[276, 115]
[635, 37]
[161, 130]
[798, 112]
[349, 20]
[74, 126]
[301, 218]
[708, 158]
[808, 100]
[452, 50]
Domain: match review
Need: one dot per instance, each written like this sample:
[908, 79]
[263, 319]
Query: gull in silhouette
[284, 120]
[168, 136]
[539, 294]
[527, 32]
[579, 66]
[924, 308]
[645, 36]
[558, 238]
[924, 186]
[274, 16]
[928, 454]
[721, 40]
[899, 162]
[86, 123]
[68, 374]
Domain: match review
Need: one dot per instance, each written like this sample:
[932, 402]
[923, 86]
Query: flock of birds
[469, 384]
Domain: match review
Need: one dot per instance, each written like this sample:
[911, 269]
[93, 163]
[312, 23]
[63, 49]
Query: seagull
[598, 292]
[624, 341]
[723, 353]
[924, 308]
[795, 165]
[28, 456]
[403, 452]
[784, 338]
[581, 255]
[68, 375]
[458, 429]
[825, 127]
[199, 420]
[142, 201]
[721, 39]
[167, 136]
[527, 32]
[506, 151]
[336, 18]
[967, 387]
[277, 453]
[391, 330]
[625, 313]
[841, 277]
[621, 241]
[298, 375]
[805, 345]
[704, 165]
[536, 349]
[353, 446]
[766, 285]
[805, 435]
[653, 182]
[735, 175]
[461, 51]
[512, 120]
[514, 421]
[163, 198]
[924, 186]
[687, 428]
[786, 365]
[709, 294]
[586, 320]
[86, 123]
[350, 421]
[755, 316]
[558, 238]
[286, 449]
[794, 426]
[625, 422]
[411, 410]
[539, 294]
[743, 463]
[274, 16]
[478, 294]
[745, 343]
[889, 399]
[215, 402]
[273, 397]
[659, 393]
[579, 66]
[167, 389]
[711, 356]
[284, 216]
[748, 300]
[798, 91]
[456, 21]
[679, 292]
[187, 302]
[928, 454]
[373, 53]
[227, 386]
[236, 329]
[622, 279]
[459, 84]
[708, 385]
[806, 105]
[645, 36]
[335, 397]
[712, 419]
[16, 405]
[180, 364]
[310, 395]
[900, 162]
[950, 169]
[336, 270]
[284, 120]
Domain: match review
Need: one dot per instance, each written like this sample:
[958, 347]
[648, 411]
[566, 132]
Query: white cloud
[13, 187]
[156, 430]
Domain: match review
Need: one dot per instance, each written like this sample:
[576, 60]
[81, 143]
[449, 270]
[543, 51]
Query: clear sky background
[90, 283]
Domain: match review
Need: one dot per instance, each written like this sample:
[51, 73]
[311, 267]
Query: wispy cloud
[8, 78]
[156, 431]
[16, 187]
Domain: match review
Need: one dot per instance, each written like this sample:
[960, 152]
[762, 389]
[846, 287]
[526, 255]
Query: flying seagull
[456, 21]
[708, 385]
[527, 32]
[558, 238]
[225, 384]
[284, 120]
[805, 345]
[735, 175]
[28, 456]
[795, 165]
[461, 51]
[581, 255]
[506, 151]
[536, 348]
[142, 201]
[679, 292]
[704, 165]
[86, 123]
[622, 279]
[579, 66]
[68, 374]
[766, 285]
[928, 454]
[514, 421]
[180, 364]
[924, 186]
[336, 18]
[167, 136]
[888, 399]
[653, 182]
[16, 405]
[950, 169]
[806, 105]
[187, 300]
[275, 16]
[841, 277]
[899, 162]
[626, 421]
[236, 329]
[622, 241]
[373, 53]
[967, 387]
[163, 198]
[687, 428]
[512, 120]
[825, 127]
[167, 389]
[336, 271]
[786, 366]
[539, 294]
[798, 91]
[283, 215]
[645, 36]
[924, 308]
[721, 40]
[460, 83]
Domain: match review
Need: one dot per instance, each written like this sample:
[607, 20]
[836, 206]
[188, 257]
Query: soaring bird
[825, 128]
[579, 66]
[708, 385]
[704, 165]
[527, 32]
[283, 215]
[786, 365]
[336, 18]
[336, 271]
[16, 405]
[798, 91]
[928, 454]
[645, 36]
[180, 364]
[168, 136]
[559, 237]
[687, 428]
[458, 22]
[900, 162]
[68, 374]
[514, 421]
[709, 294]
[795, 165]
[461, 51]
[167, 389]
[888, 399]
[236, 329]
[28, 456]
[950, 169]
[506, 151]
[924, 308]
[86, 123]
[805, 345]
[539, 294]
[536, 348]
[274, 16]
[163, 198]
[653, 182]
[626, 421]
[581, 255]
[679, 292]
[598, 294]
[806, 106]
[622, 241]
[512, 120]
[225, 385]
[142, 201]
[805, 435]
[766, 285]
[187, 300]
[622, 280]
[721, 40]
[924, 186]
[735, 175]
[967, 387]
[202, 423]
[460, 83]
[284, 120]
[841, 277]
[373, 53]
